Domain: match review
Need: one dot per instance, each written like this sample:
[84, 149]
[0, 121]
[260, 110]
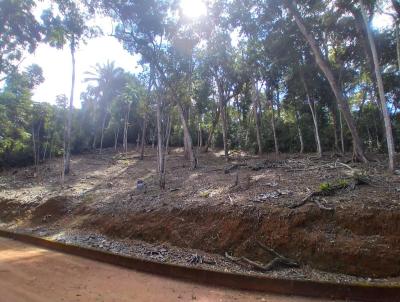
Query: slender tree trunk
[51, 147]
[160, 148]
[116, 134]
[187, 138]
[359, 23]
[71, 108]
[341, 133]
[222, 108]
[213, 126]
[185, 146]
[276, 144]
[397, 32]
[323, 65]
[103, 125]
[138, 142]
[124, 140]
[311, 104]
[257, 117]
[34, 148]
[64, 149]
[38, 146]
[378, 143]
[126, 127]
[297, 115]
[382, 98]
[199, 137]
[143, 136]
[168, 135]
[335, 136]
[45, 150]
[246, 137]
[278, 102]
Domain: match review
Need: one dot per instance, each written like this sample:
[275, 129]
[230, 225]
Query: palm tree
[109, 81]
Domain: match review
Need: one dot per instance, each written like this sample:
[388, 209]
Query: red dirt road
[28, 273]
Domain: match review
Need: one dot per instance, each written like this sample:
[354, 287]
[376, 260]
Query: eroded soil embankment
[362, 243]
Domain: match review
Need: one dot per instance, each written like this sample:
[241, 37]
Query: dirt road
[28, 273]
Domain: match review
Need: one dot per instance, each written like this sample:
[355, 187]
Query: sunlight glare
[193, 8]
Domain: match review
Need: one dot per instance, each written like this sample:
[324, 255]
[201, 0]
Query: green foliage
[241, 52]
[325, 187]
[19, 32]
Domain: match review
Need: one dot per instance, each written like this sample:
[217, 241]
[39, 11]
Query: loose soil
[356, 232]
[32, 274]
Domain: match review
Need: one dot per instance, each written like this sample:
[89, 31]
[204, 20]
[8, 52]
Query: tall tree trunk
[34, 149]
[335, 136]
[378, 143]
[64, 148]
[222, 109]
[187, 138]
[341, 133]
[126, 126]
[51, 146]
[103, 125]
[137, 142]
[71, 108]
[256, 106]
[116, 134]
[397, 33]
[143, 136]
[323, 65]
[185, 147]
[199, 137]
[160, 147]
[213, 126]
[382, 98]
[311, 104]
[124, 139]
[278, 102]
[359, 23]
[46, 144]
[38, 146]
[168, 134]
[276, 143]
[297, 115]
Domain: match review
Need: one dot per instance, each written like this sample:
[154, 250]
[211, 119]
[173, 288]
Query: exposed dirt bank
[359, 234]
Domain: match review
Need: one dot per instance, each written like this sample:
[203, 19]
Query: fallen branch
[322, 207]
[269, 250]
[303, 201]
[278, 261]
[330, 166]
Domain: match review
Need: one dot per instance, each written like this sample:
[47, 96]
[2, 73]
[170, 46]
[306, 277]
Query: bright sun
[193, 8]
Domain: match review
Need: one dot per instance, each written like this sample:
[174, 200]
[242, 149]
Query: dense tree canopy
[261, 76]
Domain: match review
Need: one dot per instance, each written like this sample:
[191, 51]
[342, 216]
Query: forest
[249, 127]
[262, 77]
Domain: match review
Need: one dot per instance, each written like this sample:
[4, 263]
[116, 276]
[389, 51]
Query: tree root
[309, 198]
[278, 262]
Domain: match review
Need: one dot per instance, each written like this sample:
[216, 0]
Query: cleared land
[340, 222]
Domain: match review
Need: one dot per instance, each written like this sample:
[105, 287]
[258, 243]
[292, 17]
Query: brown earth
[202, 209]
[33, 274]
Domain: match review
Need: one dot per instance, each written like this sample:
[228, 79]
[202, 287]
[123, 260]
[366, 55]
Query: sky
[56, 63]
